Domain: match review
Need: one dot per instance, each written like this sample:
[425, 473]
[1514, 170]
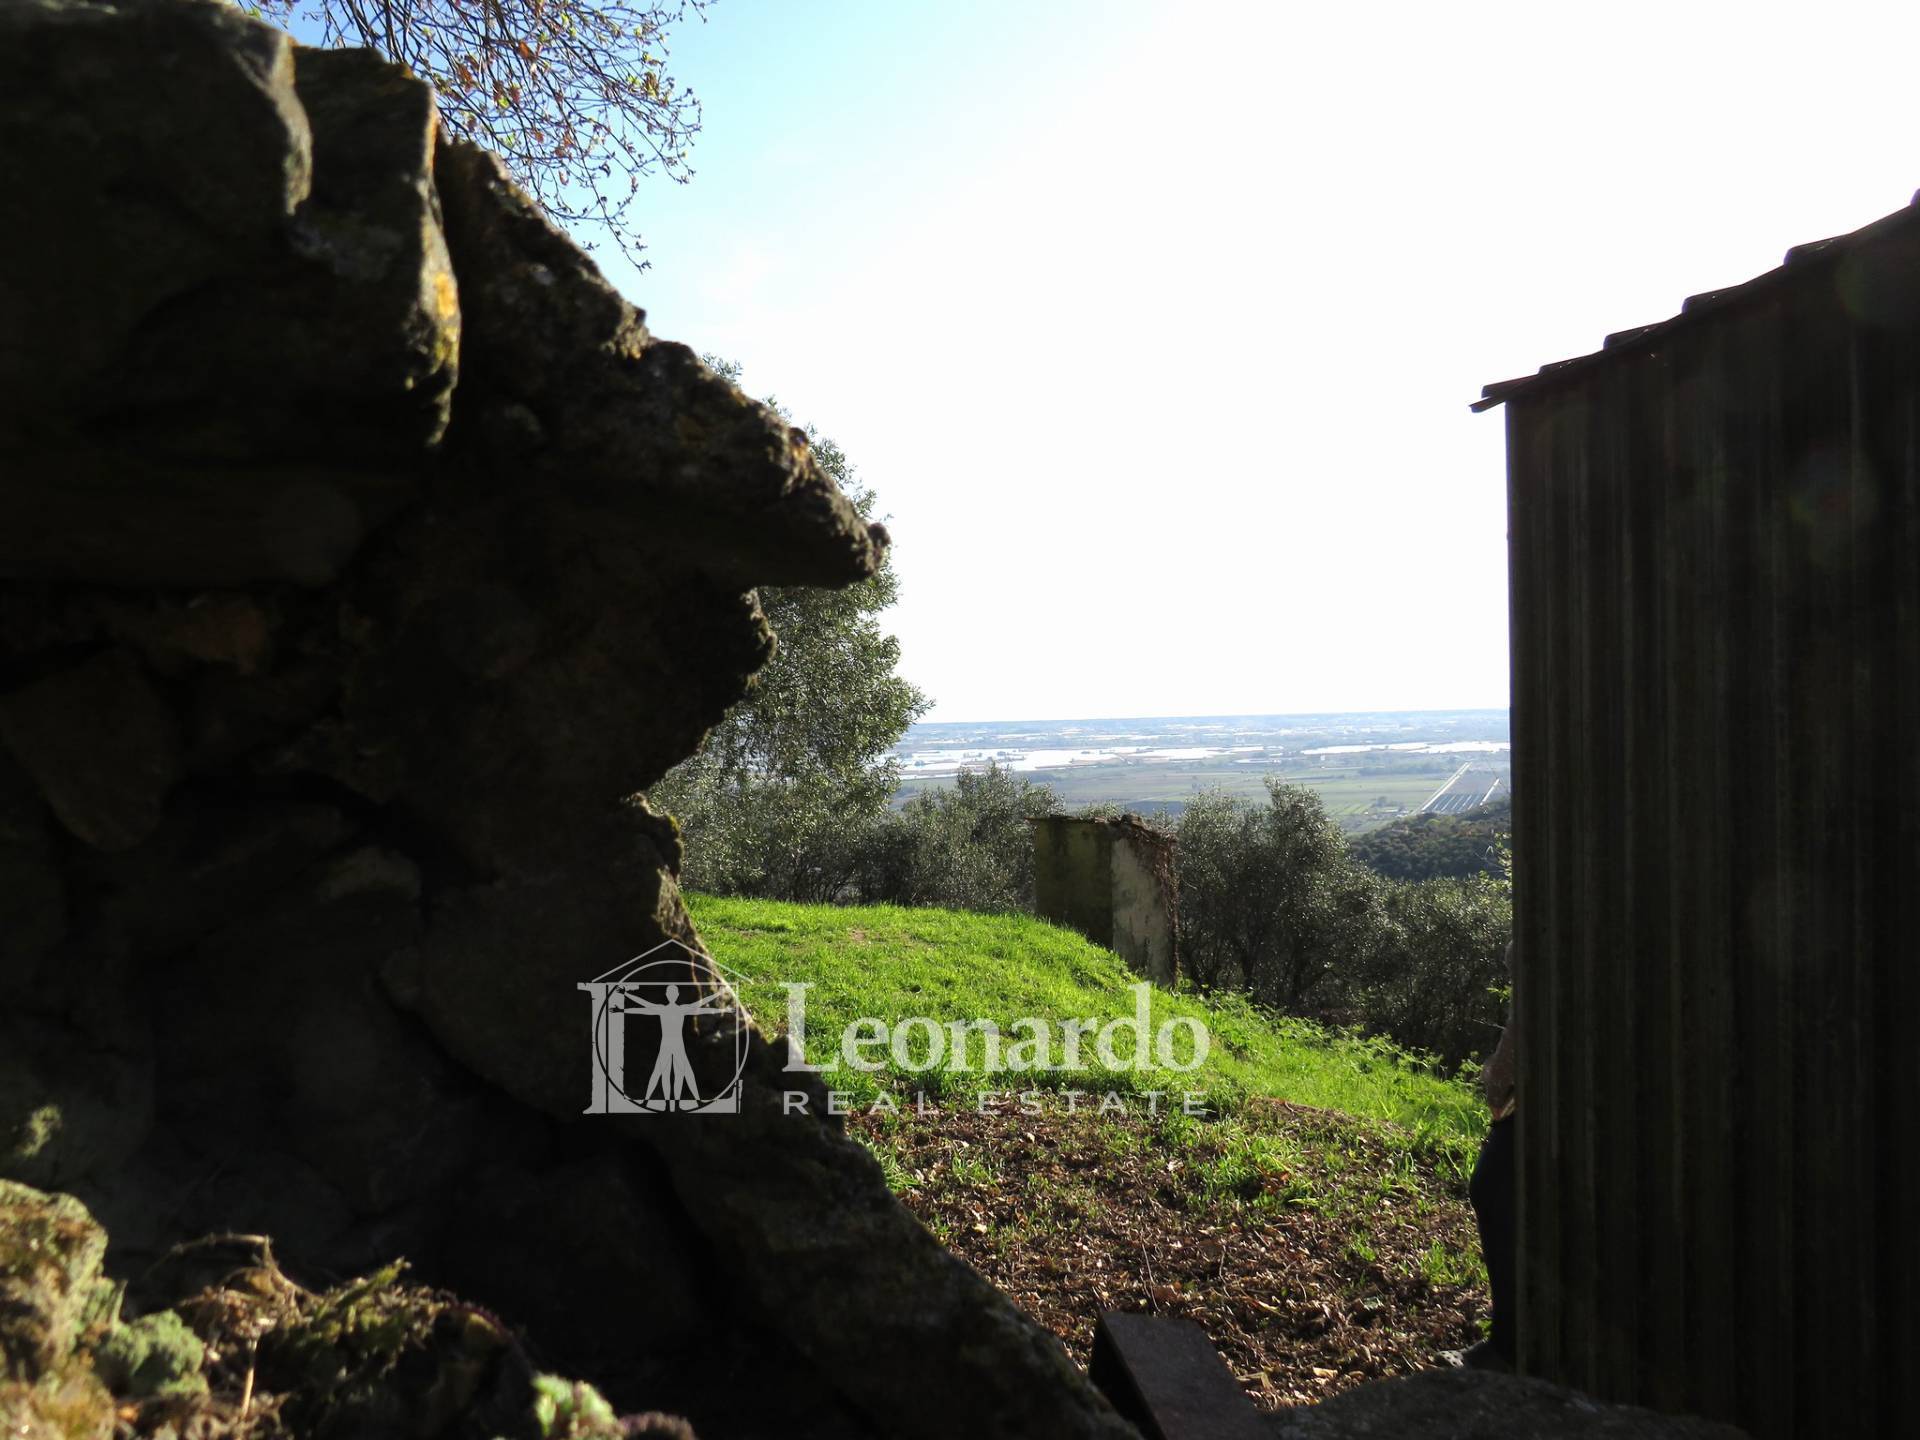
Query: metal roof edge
[1708, 302]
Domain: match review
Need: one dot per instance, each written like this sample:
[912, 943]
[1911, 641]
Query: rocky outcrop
[363, 559]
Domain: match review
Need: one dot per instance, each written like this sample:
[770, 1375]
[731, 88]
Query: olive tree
[967, 845]
[1433, 978]
[779, 800]
[1270, 903]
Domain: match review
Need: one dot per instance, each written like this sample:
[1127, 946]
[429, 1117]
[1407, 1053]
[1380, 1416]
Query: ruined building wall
[1114, 882]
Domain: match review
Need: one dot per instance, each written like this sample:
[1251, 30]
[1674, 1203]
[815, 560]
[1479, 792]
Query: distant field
[1359, 802]
[1369, 767]
[1355, 801]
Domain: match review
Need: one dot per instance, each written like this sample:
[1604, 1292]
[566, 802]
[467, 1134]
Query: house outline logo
[670, 987]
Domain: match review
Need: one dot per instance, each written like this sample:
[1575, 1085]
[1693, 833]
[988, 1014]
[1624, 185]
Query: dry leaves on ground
[1316, 1251]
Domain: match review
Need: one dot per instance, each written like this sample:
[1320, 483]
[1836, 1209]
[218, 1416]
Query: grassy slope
[891, 962]
[1316, 1249]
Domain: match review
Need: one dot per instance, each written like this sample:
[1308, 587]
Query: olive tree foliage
[574, 95]
[780, 798]
[1434, 976]
[968, 847]
[1270, 903]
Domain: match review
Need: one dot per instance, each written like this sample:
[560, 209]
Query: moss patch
[51, 1289]
[155, 1355]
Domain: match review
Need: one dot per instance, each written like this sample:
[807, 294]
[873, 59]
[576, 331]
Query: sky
[1154, 326]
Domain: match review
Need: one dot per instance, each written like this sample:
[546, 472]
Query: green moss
[374, 1317]
[155, 1355]
[35, 1132]
[51, 1290]
[69, 1405]
[572, 1410]
[39, 1243]
[337, 1358]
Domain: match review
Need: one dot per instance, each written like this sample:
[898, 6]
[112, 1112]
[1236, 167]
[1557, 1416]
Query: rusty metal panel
[1715, 593]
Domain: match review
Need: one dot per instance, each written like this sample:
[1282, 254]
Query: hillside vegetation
[1313, 1222]
[892, 962]
[1437, 847]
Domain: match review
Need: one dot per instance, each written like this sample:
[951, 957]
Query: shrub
[968, 848]
[1269, 901]
[1273, 905]
[1435, 972]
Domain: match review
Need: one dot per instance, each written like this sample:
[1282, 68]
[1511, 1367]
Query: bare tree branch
[574, 95]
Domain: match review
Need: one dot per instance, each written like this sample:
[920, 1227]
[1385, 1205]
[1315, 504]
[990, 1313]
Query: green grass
[891, 963]
[1328, 1235]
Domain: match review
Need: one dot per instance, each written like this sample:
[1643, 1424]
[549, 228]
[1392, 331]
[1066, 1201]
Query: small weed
[1442, 1264]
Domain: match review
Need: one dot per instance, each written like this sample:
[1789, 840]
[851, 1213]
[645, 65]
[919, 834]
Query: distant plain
[1369, 767]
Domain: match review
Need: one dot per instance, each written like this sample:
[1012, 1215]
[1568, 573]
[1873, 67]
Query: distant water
[941, 749]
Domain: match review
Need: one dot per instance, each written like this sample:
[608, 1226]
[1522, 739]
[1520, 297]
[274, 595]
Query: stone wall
[363, 559]
[1113, 881]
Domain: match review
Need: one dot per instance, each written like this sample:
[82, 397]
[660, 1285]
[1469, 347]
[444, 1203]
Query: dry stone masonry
[363, 559]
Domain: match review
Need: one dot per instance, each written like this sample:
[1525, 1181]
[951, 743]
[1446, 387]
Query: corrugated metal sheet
[1715, 588]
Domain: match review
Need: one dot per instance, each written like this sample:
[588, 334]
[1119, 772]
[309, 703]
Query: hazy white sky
[1155, 325]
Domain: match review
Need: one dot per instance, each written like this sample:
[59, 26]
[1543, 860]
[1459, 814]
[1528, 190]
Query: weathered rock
[336, 853]
[372, 224]
[261, 723]
[267, 340]
[33, 895]
[92, 512]
[76, 1096]
[523, 684]
[638, 431]
[209, 865]
[278, 1033]
[100, 743]
[801, 1218]
[172, 636]
[654, 1287]
[179, 1189]
[162, 148]
[1480, 1405]
[497, 967]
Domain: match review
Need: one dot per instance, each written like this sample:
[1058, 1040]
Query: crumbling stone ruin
[1114, 880]
[363, 559]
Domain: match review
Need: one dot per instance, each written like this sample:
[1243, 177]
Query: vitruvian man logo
[669, 1036]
